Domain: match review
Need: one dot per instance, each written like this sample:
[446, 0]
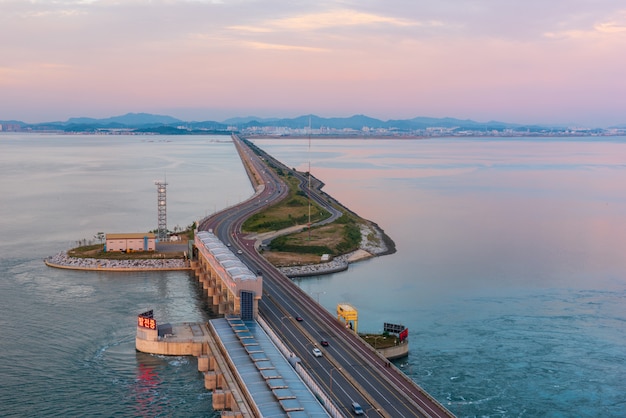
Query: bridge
[240, 283]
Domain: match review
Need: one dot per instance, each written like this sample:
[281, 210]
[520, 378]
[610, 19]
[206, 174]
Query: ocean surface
[510, 271]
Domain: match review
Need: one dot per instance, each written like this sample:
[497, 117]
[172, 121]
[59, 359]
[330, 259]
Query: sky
[518, 61]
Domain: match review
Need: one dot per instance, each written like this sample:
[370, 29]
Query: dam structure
[241, 364]
[238, 354]
[232, 288]
[275, 347]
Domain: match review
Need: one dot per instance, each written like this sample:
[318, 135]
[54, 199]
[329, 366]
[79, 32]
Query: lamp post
[331, 378]
[376, 337]
[372, 409]
[318, 295]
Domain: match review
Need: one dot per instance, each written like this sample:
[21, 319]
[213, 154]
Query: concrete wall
[173, 348]
[398, 351]
[221, 290]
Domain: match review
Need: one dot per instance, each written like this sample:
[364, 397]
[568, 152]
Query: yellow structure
[348, 314]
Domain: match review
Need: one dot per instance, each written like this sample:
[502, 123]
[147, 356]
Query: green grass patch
[380, 341]
[291, 211]
[340, 237]
[97, 251]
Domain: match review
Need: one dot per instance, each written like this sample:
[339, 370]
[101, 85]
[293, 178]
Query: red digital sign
[146, 320]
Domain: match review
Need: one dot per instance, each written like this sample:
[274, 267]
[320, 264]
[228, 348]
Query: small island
[169, 255]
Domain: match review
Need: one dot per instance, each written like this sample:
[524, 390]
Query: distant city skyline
[532, 62]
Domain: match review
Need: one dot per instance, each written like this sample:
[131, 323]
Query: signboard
[146, 320]
[394, 328]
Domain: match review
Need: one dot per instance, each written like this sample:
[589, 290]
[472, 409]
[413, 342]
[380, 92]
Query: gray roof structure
[237, 270]
[274, 385]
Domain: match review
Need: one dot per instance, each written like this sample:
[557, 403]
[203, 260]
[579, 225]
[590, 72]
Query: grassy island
[304, 244]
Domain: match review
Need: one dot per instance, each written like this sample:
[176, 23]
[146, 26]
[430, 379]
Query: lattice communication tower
[162, 209]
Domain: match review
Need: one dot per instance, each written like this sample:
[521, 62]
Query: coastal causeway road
[349, 370]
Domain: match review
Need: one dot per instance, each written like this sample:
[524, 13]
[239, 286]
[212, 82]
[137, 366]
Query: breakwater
[64, 261]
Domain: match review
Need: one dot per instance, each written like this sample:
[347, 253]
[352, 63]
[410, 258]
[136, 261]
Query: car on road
[324, 343]
[299, 318]
[356, 408]
[239, 252]
[317, 352]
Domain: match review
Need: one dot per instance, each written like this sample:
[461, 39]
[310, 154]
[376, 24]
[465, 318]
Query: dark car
[324, 343]
[299, 318]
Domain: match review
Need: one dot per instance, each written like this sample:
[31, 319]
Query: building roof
[272, 381]
[237, 270]
[131, 235]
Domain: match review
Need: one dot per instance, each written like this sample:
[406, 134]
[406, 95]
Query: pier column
[206, 362]
[210, 381]
[214, 380]
[223, 399]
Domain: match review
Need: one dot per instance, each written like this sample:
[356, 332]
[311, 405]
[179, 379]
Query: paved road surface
[349, 370]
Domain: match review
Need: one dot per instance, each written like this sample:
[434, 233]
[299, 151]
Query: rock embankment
[62, 260]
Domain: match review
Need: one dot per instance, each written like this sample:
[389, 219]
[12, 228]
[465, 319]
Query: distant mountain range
[150, 123]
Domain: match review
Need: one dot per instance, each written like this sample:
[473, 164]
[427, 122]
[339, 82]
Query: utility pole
[309, 188]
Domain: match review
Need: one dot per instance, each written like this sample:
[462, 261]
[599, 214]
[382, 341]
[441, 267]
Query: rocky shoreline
[63, 260]
[374, 242]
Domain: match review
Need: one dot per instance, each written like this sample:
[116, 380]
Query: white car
[317, 352]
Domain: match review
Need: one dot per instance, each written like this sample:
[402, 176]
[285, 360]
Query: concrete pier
[247, 374]
[195, 339]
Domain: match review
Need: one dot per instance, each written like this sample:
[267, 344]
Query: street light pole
[318, 295]
[376, 342]
[331, 378]
[372, 409]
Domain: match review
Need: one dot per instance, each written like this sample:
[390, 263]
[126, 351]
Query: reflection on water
[146, 391]
[509, 266]
[67, 343]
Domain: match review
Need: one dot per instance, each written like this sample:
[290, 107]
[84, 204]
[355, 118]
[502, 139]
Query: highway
[349, 369]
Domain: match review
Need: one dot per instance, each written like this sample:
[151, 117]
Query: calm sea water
[67, 343]
[509, 272]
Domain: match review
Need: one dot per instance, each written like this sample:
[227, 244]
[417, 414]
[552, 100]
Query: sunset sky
[524, 61]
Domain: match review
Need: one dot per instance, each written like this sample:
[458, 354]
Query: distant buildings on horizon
[277, 131]
[365, 131]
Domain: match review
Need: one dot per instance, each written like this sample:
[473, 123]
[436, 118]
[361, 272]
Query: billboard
[393, 328]
[146, 320]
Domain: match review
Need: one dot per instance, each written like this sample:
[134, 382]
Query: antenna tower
[162, 209]
[309, 188]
